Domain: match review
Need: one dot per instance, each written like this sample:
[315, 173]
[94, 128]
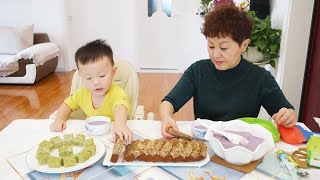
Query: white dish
[237, 154]
[122, 162]
[33, 162]
[97, 125]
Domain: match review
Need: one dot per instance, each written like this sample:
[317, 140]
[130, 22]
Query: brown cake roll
[155, 152]
[165, 151]
[186, 154]
[134, 150]
[203, 151]
[144, 155]
[178, 134]
[116, 150]
[176, 150]
[195, 151]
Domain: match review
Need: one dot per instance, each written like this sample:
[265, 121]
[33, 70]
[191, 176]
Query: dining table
[21, 135]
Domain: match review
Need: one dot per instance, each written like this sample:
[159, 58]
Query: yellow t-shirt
[82, 98]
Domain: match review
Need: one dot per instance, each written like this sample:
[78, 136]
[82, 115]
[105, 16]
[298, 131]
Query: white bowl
[97, 125]
[238, 154]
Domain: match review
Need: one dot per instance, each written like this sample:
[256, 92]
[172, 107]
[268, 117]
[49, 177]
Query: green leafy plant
[206, 6]
[265, 38]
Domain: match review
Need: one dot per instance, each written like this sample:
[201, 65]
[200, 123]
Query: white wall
[47, 16]
[296, 23]
[168, 43]
[111, 20]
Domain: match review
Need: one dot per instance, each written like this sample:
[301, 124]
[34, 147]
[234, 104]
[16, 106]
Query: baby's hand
[123, 132]
[58, 126]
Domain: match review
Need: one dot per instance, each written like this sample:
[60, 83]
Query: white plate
[33, 162]
[122, 162]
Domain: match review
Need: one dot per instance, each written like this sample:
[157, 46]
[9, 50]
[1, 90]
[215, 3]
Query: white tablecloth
[21, 135]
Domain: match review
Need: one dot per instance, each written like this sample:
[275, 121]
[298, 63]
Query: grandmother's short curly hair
[228, 20]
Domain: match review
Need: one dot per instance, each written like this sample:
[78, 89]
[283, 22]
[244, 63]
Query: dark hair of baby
[93, 51]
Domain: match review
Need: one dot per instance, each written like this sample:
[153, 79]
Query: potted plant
[207, 5]
[265, 38]
[265, 41]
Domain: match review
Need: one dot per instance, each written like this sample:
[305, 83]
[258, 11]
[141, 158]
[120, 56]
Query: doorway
[310, 100]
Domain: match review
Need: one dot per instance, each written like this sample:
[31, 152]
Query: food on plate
[178, 134]
[79, 139]
[116, 150]
[65, 150]
[88, 142]
[47, 144]
[68, 139]
[42, 158]
[91, 149]
[57, 141]
[176, 150]
[83, 156]
[69, 161]
[54, 161]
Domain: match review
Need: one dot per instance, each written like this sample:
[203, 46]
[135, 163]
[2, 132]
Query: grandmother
[227, 86]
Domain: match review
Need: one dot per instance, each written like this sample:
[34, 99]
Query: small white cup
[97, 125]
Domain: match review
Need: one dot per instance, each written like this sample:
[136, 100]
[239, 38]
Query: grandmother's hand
[168, 122]
[286, 117]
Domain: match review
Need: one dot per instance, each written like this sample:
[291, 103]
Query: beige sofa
[29, 72]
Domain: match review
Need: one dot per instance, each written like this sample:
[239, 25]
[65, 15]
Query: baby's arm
[120, 128]
[63, 114]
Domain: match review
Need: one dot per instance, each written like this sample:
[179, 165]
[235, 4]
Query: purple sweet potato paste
[253, 141]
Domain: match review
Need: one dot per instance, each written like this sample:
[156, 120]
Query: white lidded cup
[97, 125]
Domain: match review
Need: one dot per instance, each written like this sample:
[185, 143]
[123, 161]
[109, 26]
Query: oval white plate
[33, 162]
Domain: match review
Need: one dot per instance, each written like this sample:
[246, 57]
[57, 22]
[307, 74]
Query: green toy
[313, 151]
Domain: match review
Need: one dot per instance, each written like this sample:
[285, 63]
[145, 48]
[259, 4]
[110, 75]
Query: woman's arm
[166, 113]
[274, 101]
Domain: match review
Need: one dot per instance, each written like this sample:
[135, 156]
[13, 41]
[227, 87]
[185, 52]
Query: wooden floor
[39, 101]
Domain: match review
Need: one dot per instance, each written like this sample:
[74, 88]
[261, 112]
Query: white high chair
[126, 77]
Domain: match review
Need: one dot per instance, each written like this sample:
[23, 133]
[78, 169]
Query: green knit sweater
[230, 94]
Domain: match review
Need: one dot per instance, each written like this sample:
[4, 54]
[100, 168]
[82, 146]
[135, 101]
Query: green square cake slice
[42, 151]
[54, 161]
[65, 151]
[42, 158]
[69, 161]
[68, 139]
[82, 156]
[91, 149]
[88, 142]
[46, 144]
[79, 139]
[57, 141]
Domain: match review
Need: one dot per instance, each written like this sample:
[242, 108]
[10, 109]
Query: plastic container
[266, 124]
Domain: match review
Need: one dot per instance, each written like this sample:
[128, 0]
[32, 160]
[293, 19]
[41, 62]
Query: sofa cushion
[40, 53]
[8, 65]
[15, 39]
